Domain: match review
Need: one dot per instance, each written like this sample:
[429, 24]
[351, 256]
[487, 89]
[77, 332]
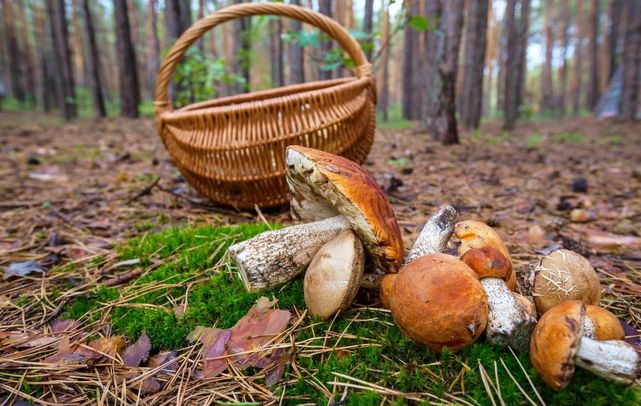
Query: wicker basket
[232, 149]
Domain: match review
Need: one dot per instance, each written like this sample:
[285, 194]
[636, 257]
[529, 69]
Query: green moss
[191, 261]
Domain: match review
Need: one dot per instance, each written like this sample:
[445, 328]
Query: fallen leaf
[536, 234]
[20, 339]
[59, 326]
[602, 241]
[166, 358]
[137, 352]
[22, 269]
[215, 363]
[80, 353]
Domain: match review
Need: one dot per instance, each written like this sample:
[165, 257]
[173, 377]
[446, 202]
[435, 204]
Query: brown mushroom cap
[439, 302]
[387, 289]
[555, 342]
[488, 262]
[332, 278]
[334, 182]
[476, 234]
[606, 325]
[565, 275]
[531, 308]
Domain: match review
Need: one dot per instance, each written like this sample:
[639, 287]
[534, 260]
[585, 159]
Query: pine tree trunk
[615, 15]
[63, 73]
[430, 68]
[491, 57]
[523, 25]
[547, 102]
[368, 24]
[475, 46]
[510, 87]
[441, 111]
[77, 48]
[419, 80]
[325, 7]
[13, 52]
[565, 40]
[153, 47]
[276, 52]
[129, 88]
[578, 59]
[631, 61]
[407, 66]
[593, 84]
[27, 53]
[241, 44]
[383, 103]
[45, 55]
[93, 62]
[296, 61]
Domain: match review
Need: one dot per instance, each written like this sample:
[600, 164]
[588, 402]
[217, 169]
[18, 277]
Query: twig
[145, 191]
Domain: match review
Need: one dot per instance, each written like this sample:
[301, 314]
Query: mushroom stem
[613, 360]
[275, 257]
[435, 234]
[509, 321]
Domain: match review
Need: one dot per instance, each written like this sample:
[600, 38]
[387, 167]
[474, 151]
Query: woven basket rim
[250, 104]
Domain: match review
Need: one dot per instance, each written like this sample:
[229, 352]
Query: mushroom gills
[613, 360]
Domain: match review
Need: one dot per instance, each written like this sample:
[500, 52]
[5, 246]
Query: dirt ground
[68, 191]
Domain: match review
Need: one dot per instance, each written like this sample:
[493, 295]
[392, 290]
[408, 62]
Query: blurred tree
[631, 60]
[28, 65]
[368, 24]
[93, 62]
[547, 98]
[593, 56]
[578, 58]
[384, 98]
[63, 69]
[13, 52]
[276, 51]
[241, 45]
[325, 7]
[128, 74]
[517, 27]
[565, 40]
[153, 46]
[296, 62]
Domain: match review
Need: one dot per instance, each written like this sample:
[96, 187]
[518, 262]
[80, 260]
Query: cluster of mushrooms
[438, 300]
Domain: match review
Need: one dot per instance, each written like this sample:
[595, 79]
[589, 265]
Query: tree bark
[153, 47]
[631, 61]
[241, 45]
[383, 104]
[27, 55]
[615, 15]
[593, 84]
[296, 61]
[13, 52]
[441, 112]
[419, 81]
[510, 87]
[565, 40]
[368, 24]
[407, 66]
[523, 26]
[65, 92]
[325, 7]
[93, 62]
[45, 57]
[129, 88]
[474, 63]
[276, 52]
[547, 98]
[578, 59]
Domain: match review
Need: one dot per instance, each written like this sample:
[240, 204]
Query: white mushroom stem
[275, 257]
[613, 360]
[435, 234]
[588, 328]
[509, 321]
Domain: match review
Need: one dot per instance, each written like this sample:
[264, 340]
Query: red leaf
[137, 352]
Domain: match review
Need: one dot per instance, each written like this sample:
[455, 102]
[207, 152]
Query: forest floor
[81, 198]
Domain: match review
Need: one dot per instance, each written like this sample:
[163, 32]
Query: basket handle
[326, 24]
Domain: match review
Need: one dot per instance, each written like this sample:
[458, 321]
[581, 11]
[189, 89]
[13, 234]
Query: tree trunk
[433, 12]
[441, 111]
[27, 55]
[578, 59]
[45, 57]
[491, 57]
[153, 47]
[407, 66]
[276, 51]
[615, 15]
[63, 68]
[368, 24]
[296, 61]
[325, 7]
[593, 83]
[13, 52]
[510, 87]
[383, 103]
[93, 62]
[475, 46]
[241, 45]
[419, 81]
[547, 98]
[631, 61]
[129, 88]
[523, 25]
[565, 40]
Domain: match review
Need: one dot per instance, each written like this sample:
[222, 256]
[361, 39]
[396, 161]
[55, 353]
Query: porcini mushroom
[564, 275]
[344, 196]
[439, 302]
[601, 324]
[558, 345]
[475, 234]
[510, 320]
[332, 278]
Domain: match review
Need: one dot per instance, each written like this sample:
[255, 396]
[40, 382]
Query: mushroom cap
[488, 262]
[321, 182]
[555, 342]
[332, 278]
[387, 289]
[476, 234]
[531, 308]
[606, 325]
[564, 275]
[439, 302]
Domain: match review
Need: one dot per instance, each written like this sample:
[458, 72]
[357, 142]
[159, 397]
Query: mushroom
[439, 302]
[510, 319]
[558, 345]
[475, 234]
[337, 194]
[601, 324]
[564, 275]
[332, 278]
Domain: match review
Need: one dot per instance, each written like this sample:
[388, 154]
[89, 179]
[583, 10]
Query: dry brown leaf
[137, 352]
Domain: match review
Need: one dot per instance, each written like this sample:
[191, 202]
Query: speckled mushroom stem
[510, 323]
[613, 360]
[277, 256]
[435, 234]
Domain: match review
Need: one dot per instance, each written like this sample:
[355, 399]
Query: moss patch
[191, 262]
